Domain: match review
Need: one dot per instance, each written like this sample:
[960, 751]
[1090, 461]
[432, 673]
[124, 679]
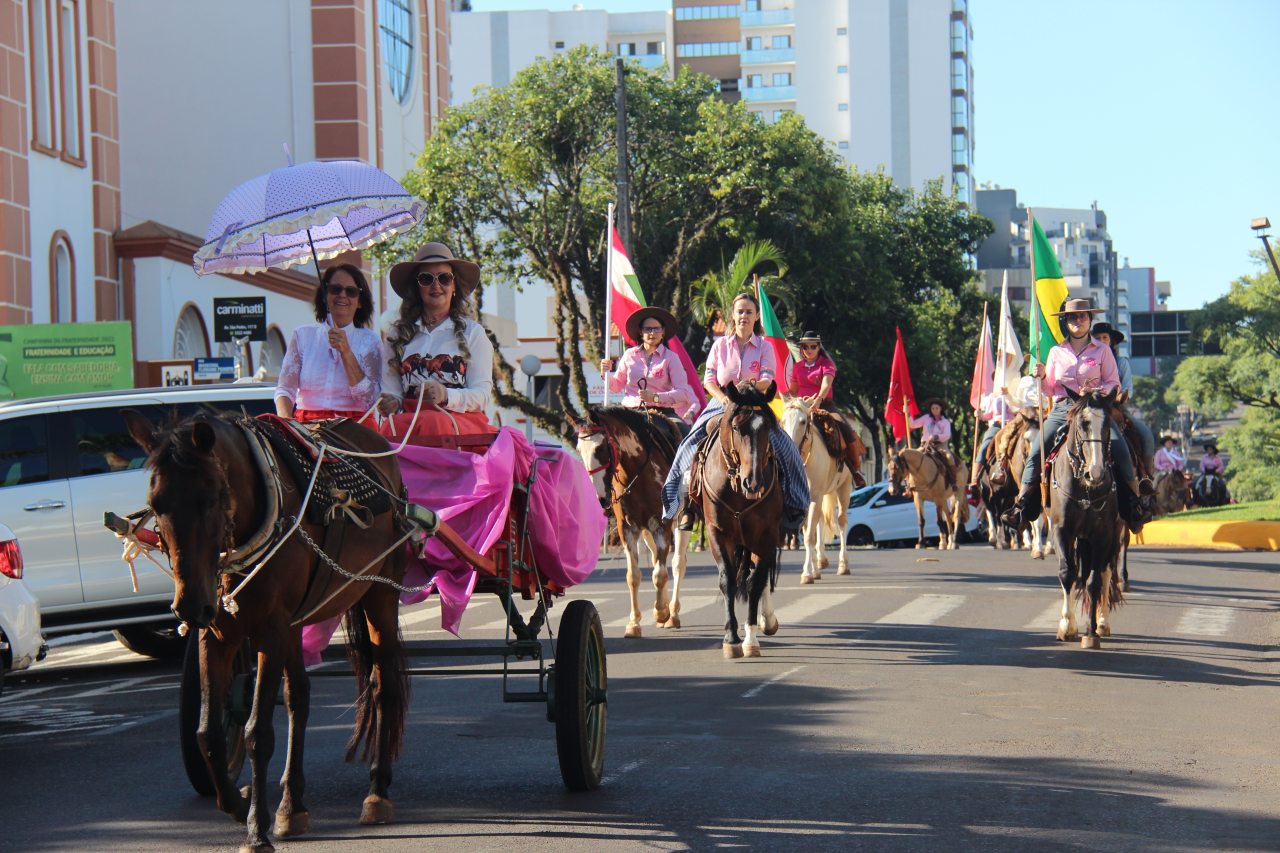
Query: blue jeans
[987, 437]
[1055, 423]
[795, 482]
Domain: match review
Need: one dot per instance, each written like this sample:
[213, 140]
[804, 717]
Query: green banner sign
[64, 358]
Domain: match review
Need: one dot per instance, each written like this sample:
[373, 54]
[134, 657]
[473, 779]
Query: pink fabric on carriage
[472, 492]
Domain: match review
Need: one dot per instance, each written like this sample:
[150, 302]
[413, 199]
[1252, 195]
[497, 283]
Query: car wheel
[861, 535]
[153, 641]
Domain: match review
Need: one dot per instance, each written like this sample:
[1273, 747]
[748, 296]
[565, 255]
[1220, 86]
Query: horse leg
[630, 542]
[726, 560]
[1124, 563]
[260, 742]
[1091, 580]
[751, 642]
[292, 818]
[1104, 624]
[215, 669]
[919, 519]
[659, 546]
[810, 572]
[679, 556]
[817, 536]
[940, 514]
[389, 682]
[841, 501]
[1066, 578]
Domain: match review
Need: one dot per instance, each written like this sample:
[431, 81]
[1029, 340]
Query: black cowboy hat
[1211, 448]
[1077, 306]
[929, 403]
[638, 316]
[1167, 438]
[810, 337]
[466, 273]
[1117, 336]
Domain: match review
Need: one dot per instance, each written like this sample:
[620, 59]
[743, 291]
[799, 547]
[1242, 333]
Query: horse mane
[173, 441]
[641, 425]
[751, 397]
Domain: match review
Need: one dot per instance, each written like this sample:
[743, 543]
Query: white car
[21, 643]
[64, 461]
[877, 518]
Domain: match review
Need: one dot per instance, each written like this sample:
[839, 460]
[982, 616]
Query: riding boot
[999, 473]
[1026, 510]
[688, 517]
[792, 518]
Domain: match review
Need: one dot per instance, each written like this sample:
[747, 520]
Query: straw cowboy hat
[465, 273]
[1077, 306]
[638, 316]
[1117, 336]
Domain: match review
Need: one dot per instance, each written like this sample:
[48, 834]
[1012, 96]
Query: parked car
[64, 461]
[878, 518]
[21, 643]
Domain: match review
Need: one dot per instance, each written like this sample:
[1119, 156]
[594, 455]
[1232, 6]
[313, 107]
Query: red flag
[899, 391]
[776, 338]
[984, 367]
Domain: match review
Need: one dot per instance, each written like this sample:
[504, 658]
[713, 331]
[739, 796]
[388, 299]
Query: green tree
[712, 295]
[1254, 469]
[1151, 396]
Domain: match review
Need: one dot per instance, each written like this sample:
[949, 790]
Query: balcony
[651, 61]
[769, 56]
[767, 18]
[756, 94]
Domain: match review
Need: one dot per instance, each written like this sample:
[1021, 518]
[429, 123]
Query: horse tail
[830, 510]
[394, 678]
[742, 571]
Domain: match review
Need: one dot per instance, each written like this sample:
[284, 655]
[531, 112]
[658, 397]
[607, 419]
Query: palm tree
[713, 294]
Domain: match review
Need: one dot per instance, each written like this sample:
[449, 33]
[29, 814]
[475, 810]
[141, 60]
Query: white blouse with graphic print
[434, 354]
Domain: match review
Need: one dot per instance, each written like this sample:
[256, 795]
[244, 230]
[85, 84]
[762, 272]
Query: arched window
[397, 21]
[62, 279]
[190, 340]
[272, 354]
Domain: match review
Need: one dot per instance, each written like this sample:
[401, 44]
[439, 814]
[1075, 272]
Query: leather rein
[733, 463]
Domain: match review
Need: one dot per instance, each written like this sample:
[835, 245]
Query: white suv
[64, 461]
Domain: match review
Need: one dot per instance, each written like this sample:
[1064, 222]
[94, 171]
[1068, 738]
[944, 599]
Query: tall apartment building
[123, 124]
[889, 83]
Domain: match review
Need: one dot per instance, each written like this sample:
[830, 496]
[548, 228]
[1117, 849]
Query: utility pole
[623, 203]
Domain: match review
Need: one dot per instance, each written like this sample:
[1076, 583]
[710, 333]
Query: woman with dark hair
[332, 367]
[434, 348]
[813, 380]
[649, 375]
[741, 355]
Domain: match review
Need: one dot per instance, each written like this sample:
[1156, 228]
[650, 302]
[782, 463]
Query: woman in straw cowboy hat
[649, 374]
[1077, 365]
[434, 347]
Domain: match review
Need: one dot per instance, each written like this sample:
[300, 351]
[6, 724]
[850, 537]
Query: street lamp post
[530, 366]
[1260, 226]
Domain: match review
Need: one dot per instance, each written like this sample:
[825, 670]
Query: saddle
[946, 461]
[1130, 437]
[1005, 445]
[842, 442]
[709, 439]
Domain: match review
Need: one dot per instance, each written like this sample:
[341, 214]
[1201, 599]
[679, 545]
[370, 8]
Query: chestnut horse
[919, 473]
[628, 453]
[830, 485]
[739, 488]
[213, 493]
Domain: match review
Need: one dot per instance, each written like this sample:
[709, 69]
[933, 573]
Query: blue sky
[1163, 111]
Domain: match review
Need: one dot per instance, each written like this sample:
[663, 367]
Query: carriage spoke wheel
[235, 712]
[579, 697]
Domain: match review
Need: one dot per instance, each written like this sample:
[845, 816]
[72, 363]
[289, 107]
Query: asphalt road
[921, 703]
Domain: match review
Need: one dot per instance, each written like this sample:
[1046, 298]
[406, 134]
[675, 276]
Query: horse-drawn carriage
[224, 506]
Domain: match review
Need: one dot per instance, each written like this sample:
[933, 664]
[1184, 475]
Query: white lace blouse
[312, 375]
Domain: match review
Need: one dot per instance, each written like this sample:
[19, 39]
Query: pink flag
[984, 367]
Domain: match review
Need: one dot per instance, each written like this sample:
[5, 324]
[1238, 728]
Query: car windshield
[864, 495]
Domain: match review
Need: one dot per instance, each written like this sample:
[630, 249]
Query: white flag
[1008, 350]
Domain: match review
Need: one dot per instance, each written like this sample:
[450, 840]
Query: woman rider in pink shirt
[813, 379]
[650, 375]
[742, 354]
[936, 426]
[1076, 365]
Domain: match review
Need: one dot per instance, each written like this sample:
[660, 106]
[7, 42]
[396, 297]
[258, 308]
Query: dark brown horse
[213, 497]
[740, 491]
[1085, 519]
[628, 453]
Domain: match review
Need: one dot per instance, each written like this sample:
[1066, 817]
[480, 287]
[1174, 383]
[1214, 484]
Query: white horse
[830, 485]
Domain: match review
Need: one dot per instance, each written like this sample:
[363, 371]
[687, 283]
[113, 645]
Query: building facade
[123, 124]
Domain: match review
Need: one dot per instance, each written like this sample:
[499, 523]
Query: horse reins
[1076, 460]
[732, 464]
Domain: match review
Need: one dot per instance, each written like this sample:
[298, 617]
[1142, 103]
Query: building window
[782, 78]
[729, 85]
[843, 145]
[778, 114]
[653, 48]
[703, 13]
[559, 45]
[626, 48]
[959, 111]
[959, 36]
[53, 27]
[707, 48]
[752, 5]
[842, 69]
[844, 108]
[69, 77]
[780, 42]
[842, 31]
[62, 279]
[396, 20]
[190, 340]
[959, 74]
[41, 75]
[755, 42]
[755, 81]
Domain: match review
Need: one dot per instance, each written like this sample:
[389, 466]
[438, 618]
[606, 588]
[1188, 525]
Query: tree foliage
[711, 296]
[1253, 472]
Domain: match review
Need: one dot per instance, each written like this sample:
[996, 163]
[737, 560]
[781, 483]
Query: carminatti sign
[239, 317]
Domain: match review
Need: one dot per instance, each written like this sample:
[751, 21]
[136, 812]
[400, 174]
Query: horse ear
[202, 436]
[141, 428]
[731, 391]
[771, 391]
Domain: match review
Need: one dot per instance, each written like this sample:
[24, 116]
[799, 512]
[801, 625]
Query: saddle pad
[351, 475]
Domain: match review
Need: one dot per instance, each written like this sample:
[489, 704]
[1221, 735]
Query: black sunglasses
[426, 279]
[338, 290]
[653, 330]
[809, 346]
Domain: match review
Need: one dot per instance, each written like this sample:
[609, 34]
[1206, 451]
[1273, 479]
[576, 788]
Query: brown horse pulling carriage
[223, 506]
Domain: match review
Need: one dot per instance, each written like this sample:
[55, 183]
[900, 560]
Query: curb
[1222, 535]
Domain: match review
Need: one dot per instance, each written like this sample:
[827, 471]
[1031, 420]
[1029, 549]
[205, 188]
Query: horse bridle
[615, 461]
[1075, 459]
[733, 463]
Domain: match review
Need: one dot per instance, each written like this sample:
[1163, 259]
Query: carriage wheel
[235, 712]
[579, 696]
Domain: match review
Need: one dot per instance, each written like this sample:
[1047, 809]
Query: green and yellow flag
[1050, 290]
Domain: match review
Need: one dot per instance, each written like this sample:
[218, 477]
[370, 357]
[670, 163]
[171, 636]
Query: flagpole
[1037, 317]
[906, 416]
[982, 340]
[608, 294]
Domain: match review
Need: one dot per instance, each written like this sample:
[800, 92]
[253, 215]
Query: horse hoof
[731, 651]
[771, 626]
[1065, 637]
[660, 617]
[919, 546]
[1104, 630]
[843, 570]
[376, 810]
[291, 825]
[751, 651]
[1090, 643]
[265, 847]
[633, 630]
[804, 579]
[1124, 587]
[673, 622]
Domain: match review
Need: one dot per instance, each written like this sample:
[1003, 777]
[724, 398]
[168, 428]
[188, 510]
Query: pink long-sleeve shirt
[728, 364]
[1212, 463]
[936, 428]
[663, 374]
[1170, 460]
[1094, 367]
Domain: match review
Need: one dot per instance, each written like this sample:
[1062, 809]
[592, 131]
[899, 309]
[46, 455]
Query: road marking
[72, 639]
[95, 650]
[797, 611]
[1205, 621]
[115, 686]
[924, 610]
[150, 718]
[755, 691]
[620, 772]
[688, 604]
[1048, 619]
